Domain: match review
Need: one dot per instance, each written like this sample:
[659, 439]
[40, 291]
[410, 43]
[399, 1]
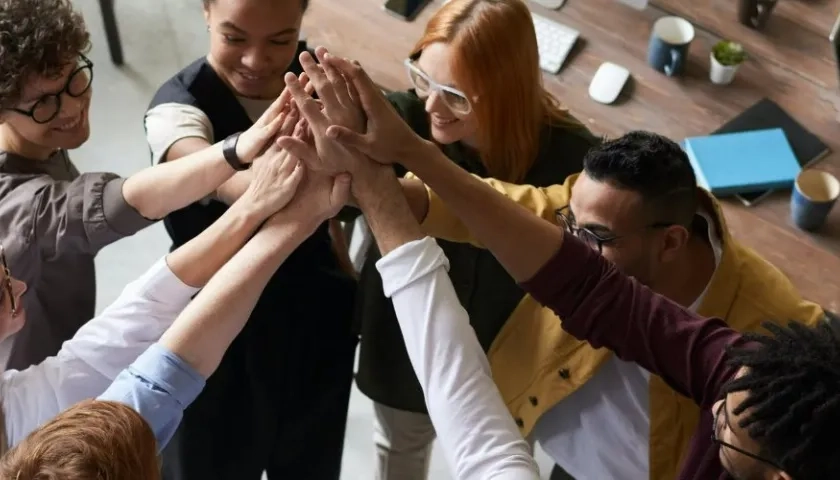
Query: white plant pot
[721, 74]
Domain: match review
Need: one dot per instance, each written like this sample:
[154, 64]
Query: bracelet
[229, 152]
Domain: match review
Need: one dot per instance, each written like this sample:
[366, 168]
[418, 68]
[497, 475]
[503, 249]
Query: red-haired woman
[478, 93]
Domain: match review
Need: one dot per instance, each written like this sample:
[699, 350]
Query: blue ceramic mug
[814, 193]
[669, 42]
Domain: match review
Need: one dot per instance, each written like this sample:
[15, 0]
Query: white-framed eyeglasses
[456, 100]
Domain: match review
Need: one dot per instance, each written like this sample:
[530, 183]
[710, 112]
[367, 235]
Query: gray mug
[669, 42]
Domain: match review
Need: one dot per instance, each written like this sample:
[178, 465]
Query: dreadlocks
[793, 384]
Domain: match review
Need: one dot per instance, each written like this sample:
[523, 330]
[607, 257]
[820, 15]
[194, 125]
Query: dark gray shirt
[53, 221]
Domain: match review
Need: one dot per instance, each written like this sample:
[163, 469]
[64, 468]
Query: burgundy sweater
[608, 309]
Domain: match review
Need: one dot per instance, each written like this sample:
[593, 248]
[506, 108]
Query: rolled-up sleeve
[441, 222]
[159, 385]
[83, 215]
[90, 361]
[169, 122]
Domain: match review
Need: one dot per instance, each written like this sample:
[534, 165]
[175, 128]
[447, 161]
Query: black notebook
[807, 147]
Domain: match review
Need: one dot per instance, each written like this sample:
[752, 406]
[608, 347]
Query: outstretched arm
[521, 241]
[480, 438]
[88, 363]
[168, 377]
[163, 188]
[439, 221]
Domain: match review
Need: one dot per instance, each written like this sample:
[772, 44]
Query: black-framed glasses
[595, 241]
[48, 106]
[7, 283]
[716, 437]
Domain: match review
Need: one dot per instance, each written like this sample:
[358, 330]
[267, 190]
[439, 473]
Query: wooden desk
[680, 107]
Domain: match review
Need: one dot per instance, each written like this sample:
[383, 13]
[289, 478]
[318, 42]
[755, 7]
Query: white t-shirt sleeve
[88, 363]
[478, 434]
[169, 122]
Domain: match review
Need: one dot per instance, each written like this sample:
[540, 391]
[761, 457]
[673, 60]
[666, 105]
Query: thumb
[349, 138]
[340, 193]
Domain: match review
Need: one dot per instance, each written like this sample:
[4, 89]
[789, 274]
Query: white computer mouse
[608, 82]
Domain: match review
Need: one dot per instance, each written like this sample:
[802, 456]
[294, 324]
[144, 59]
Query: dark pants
[277, 403]
[557, 473]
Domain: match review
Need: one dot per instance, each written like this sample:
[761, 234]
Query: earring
[208, 28]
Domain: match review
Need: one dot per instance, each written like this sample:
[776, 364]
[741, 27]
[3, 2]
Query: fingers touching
[334, 76]
[308, 106]
[301, 149]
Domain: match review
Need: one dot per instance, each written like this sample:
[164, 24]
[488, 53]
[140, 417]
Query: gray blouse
[53, 221]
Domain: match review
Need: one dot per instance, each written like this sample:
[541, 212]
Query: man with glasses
[636, 202]
[53, 220]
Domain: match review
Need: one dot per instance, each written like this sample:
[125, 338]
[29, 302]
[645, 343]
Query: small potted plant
[726, 57]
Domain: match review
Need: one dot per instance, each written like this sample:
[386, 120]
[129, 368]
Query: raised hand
[276, 177]
[278, 119]
[336, 107]
[386, 138]
[320, 195]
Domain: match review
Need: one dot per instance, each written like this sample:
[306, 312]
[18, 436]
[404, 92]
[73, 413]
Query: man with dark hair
[654, 167]
[769, 405]
[636, 202]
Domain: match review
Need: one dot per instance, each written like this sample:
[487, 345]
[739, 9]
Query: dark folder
[807, 147]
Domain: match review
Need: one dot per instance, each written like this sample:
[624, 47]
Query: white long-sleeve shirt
[479, 437]
[88, 363]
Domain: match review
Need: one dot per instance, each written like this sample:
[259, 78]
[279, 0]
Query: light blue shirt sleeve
[159, 385]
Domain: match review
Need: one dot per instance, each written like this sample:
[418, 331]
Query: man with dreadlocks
[770, 404]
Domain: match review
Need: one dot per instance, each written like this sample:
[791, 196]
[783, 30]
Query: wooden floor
[790, 62]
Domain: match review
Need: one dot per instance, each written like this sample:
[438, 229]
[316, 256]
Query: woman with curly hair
[53, 220]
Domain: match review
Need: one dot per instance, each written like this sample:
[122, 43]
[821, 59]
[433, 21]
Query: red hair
[91, 440]
[496, 62]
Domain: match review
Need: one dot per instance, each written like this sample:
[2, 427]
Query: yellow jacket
[536, 364]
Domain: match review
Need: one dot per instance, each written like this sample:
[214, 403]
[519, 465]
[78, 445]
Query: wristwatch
[229, 152]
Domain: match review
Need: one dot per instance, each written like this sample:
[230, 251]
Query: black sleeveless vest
[312, 272]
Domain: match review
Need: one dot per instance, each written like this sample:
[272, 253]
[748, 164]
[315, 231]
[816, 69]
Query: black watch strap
[229, 152]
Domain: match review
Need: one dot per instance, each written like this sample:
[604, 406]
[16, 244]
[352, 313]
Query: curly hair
[792, 406]
[37, 38]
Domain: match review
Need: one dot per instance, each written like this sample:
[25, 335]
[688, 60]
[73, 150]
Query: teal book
[742, 162]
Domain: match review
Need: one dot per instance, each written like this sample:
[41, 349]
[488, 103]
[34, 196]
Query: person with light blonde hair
[478, 94]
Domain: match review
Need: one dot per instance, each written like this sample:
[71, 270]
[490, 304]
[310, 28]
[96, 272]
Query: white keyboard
[554, 41]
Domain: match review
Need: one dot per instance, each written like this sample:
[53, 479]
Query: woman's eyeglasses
[455, 99]
[7, 282]
[48, 106]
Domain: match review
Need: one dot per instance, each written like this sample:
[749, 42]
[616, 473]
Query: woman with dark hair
[278, 402]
